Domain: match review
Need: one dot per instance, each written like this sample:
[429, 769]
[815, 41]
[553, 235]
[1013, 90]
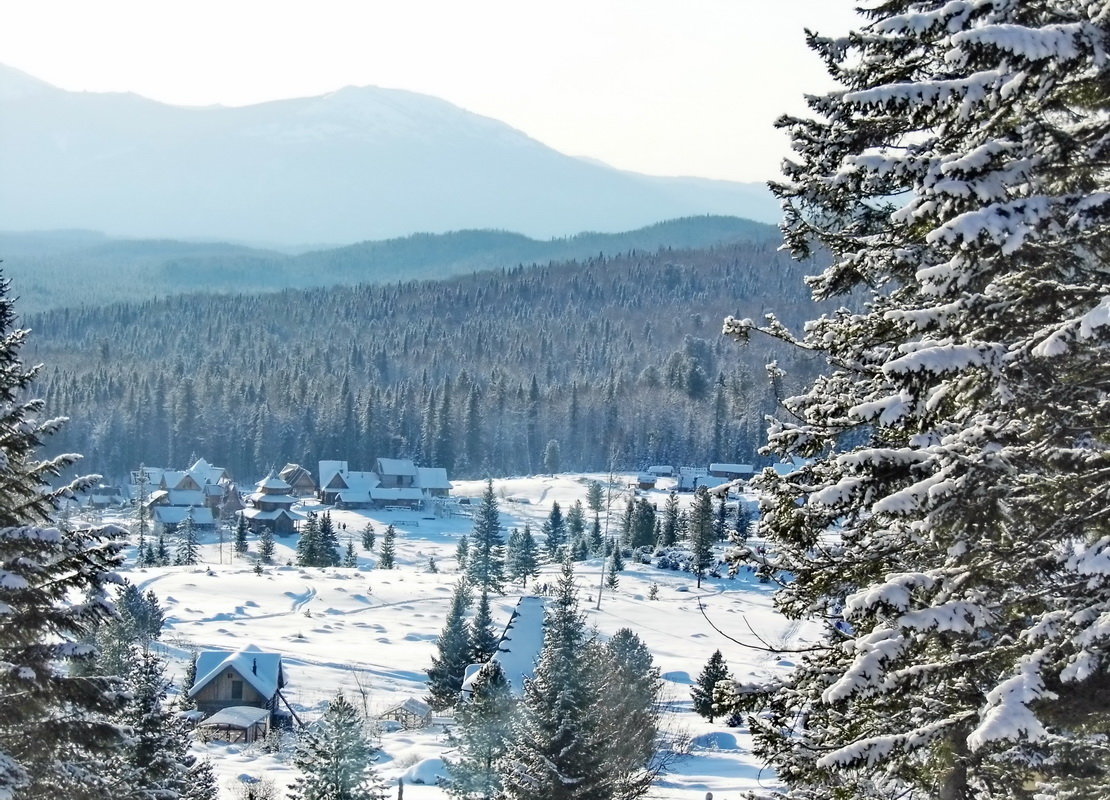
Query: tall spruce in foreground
[54, 722]
[714, 671]
[387, 555]
[481, 736]
[523, 557]
[554, 751]
[335, 758]
[453, 653]
[485, 563]
[954, 515]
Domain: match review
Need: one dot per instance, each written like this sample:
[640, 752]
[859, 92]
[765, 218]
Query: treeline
[619, 360]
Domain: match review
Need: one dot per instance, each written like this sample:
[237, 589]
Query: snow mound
[427, 772]
[718, 740]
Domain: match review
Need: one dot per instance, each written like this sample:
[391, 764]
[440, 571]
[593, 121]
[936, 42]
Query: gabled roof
[736, 469]
[273, 482]
[203, 472]
[175, 515]
[185, 497]
[327, 469]
[412, 705]
[237, 717]
[177, 479]
[254, 513]
[432, 478]
[396, 466]
[261, 670]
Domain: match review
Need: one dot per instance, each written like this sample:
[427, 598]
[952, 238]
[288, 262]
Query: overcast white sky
[666, 87]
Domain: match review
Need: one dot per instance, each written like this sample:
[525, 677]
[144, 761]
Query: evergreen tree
[701, 534]
[388, 552]
[720, 521]
[368, 535]
[576, 521]
[327, 545]
[483, 726]
[462, 550]
[483, 638]
[956, 182]
[597, 546]
[524, 560]
[188, 681]
[714, 672]
[453, 649]
[595, 498]
[485, 565]
[188, 547]
[350, 558]
[266, 544]
[642, 533]
[626, 522]
[241, 530]
[554, 750]
[628, 687]
[612, 577]
[308, 546]
[53, 721]
[163, 554]
[551, 457]
[554, 531]
[335, 758]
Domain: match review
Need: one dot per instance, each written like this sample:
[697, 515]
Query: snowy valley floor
[372, 633]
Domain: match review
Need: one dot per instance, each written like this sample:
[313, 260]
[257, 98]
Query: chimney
[254, 665]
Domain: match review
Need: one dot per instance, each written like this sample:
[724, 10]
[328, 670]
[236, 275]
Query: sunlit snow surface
[372, 632]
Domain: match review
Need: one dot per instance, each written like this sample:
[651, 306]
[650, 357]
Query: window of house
[236, 690]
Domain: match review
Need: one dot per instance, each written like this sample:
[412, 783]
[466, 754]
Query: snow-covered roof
[519, 647]
[203, 472]
[287, 499]
[412, 705]
[646, 477]
[661, 469]
[396, 466]
[432, 478]
[254, 513]
[175, 515]
[237, 717]
[185, 497]
[273, 482]
[404, 493]
[261, 670]
[329, 469]
[734, 469]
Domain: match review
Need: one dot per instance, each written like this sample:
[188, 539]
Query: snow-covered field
[372, 632]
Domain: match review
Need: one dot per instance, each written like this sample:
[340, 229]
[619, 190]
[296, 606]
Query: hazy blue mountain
[356, 164]
[71, 268]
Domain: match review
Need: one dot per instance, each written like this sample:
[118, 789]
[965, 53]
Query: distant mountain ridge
[70, 268]
[356, 164]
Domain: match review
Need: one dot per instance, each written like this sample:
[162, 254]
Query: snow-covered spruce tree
[452, 657]
[485, 563]
[266, 544]
[335, 758]
[701, 534]
[481, 736]
[554, 751]
[327, 548]
[188, 546]
[308, 545]
[241, 531]
[387, 554]
[714, 671]
[483, 638]
[554, 532]
[523, 556]
[953, 527]
[53, 721]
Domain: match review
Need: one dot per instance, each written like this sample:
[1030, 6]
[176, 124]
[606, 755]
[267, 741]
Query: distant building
[412, 714]
[300, 480]
[731, 472]
[238, 692]
[395, 482]
[271, 506]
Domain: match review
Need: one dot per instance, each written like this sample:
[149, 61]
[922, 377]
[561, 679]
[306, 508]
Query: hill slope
[356, 164]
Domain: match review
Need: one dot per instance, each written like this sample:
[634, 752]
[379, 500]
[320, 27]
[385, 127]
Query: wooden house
[300, 480]
[247, 677]
[271, 506]
[732, 472]
[396, 473]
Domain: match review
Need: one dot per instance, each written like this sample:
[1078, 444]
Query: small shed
[248, 677]
[412, 713]
[236, 724]
[645, 481]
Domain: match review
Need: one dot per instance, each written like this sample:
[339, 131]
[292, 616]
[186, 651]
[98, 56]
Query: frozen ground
[372, 632]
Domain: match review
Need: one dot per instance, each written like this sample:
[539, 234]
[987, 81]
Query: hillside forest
[607, 362]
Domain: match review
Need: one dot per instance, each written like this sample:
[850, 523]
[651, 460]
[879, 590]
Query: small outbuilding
[247, 677]
[236, 724]
[412, 713]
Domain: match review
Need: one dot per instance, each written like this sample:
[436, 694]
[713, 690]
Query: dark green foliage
[595, 498]
[335, 758]
[576, 521]
[597, 546]
[720, 521]
[327, 547]
[453, 649]
[485, 564]
[523, 560]
[54, 722]
[241, 530]
[359, 365]
[350, 557]
[368, 536]
[555, 532]
[462, 551]
[483, 638]
[642, 525]
[551, 460]
[701, 533]
[188, 546]
[388, 552]
[188, 680]
[714, 671]
[308, 545]
[481, 736]
[266, 545]
[612, 576]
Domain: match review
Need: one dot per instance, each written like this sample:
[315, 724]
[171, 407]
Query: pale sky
[665, 87]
